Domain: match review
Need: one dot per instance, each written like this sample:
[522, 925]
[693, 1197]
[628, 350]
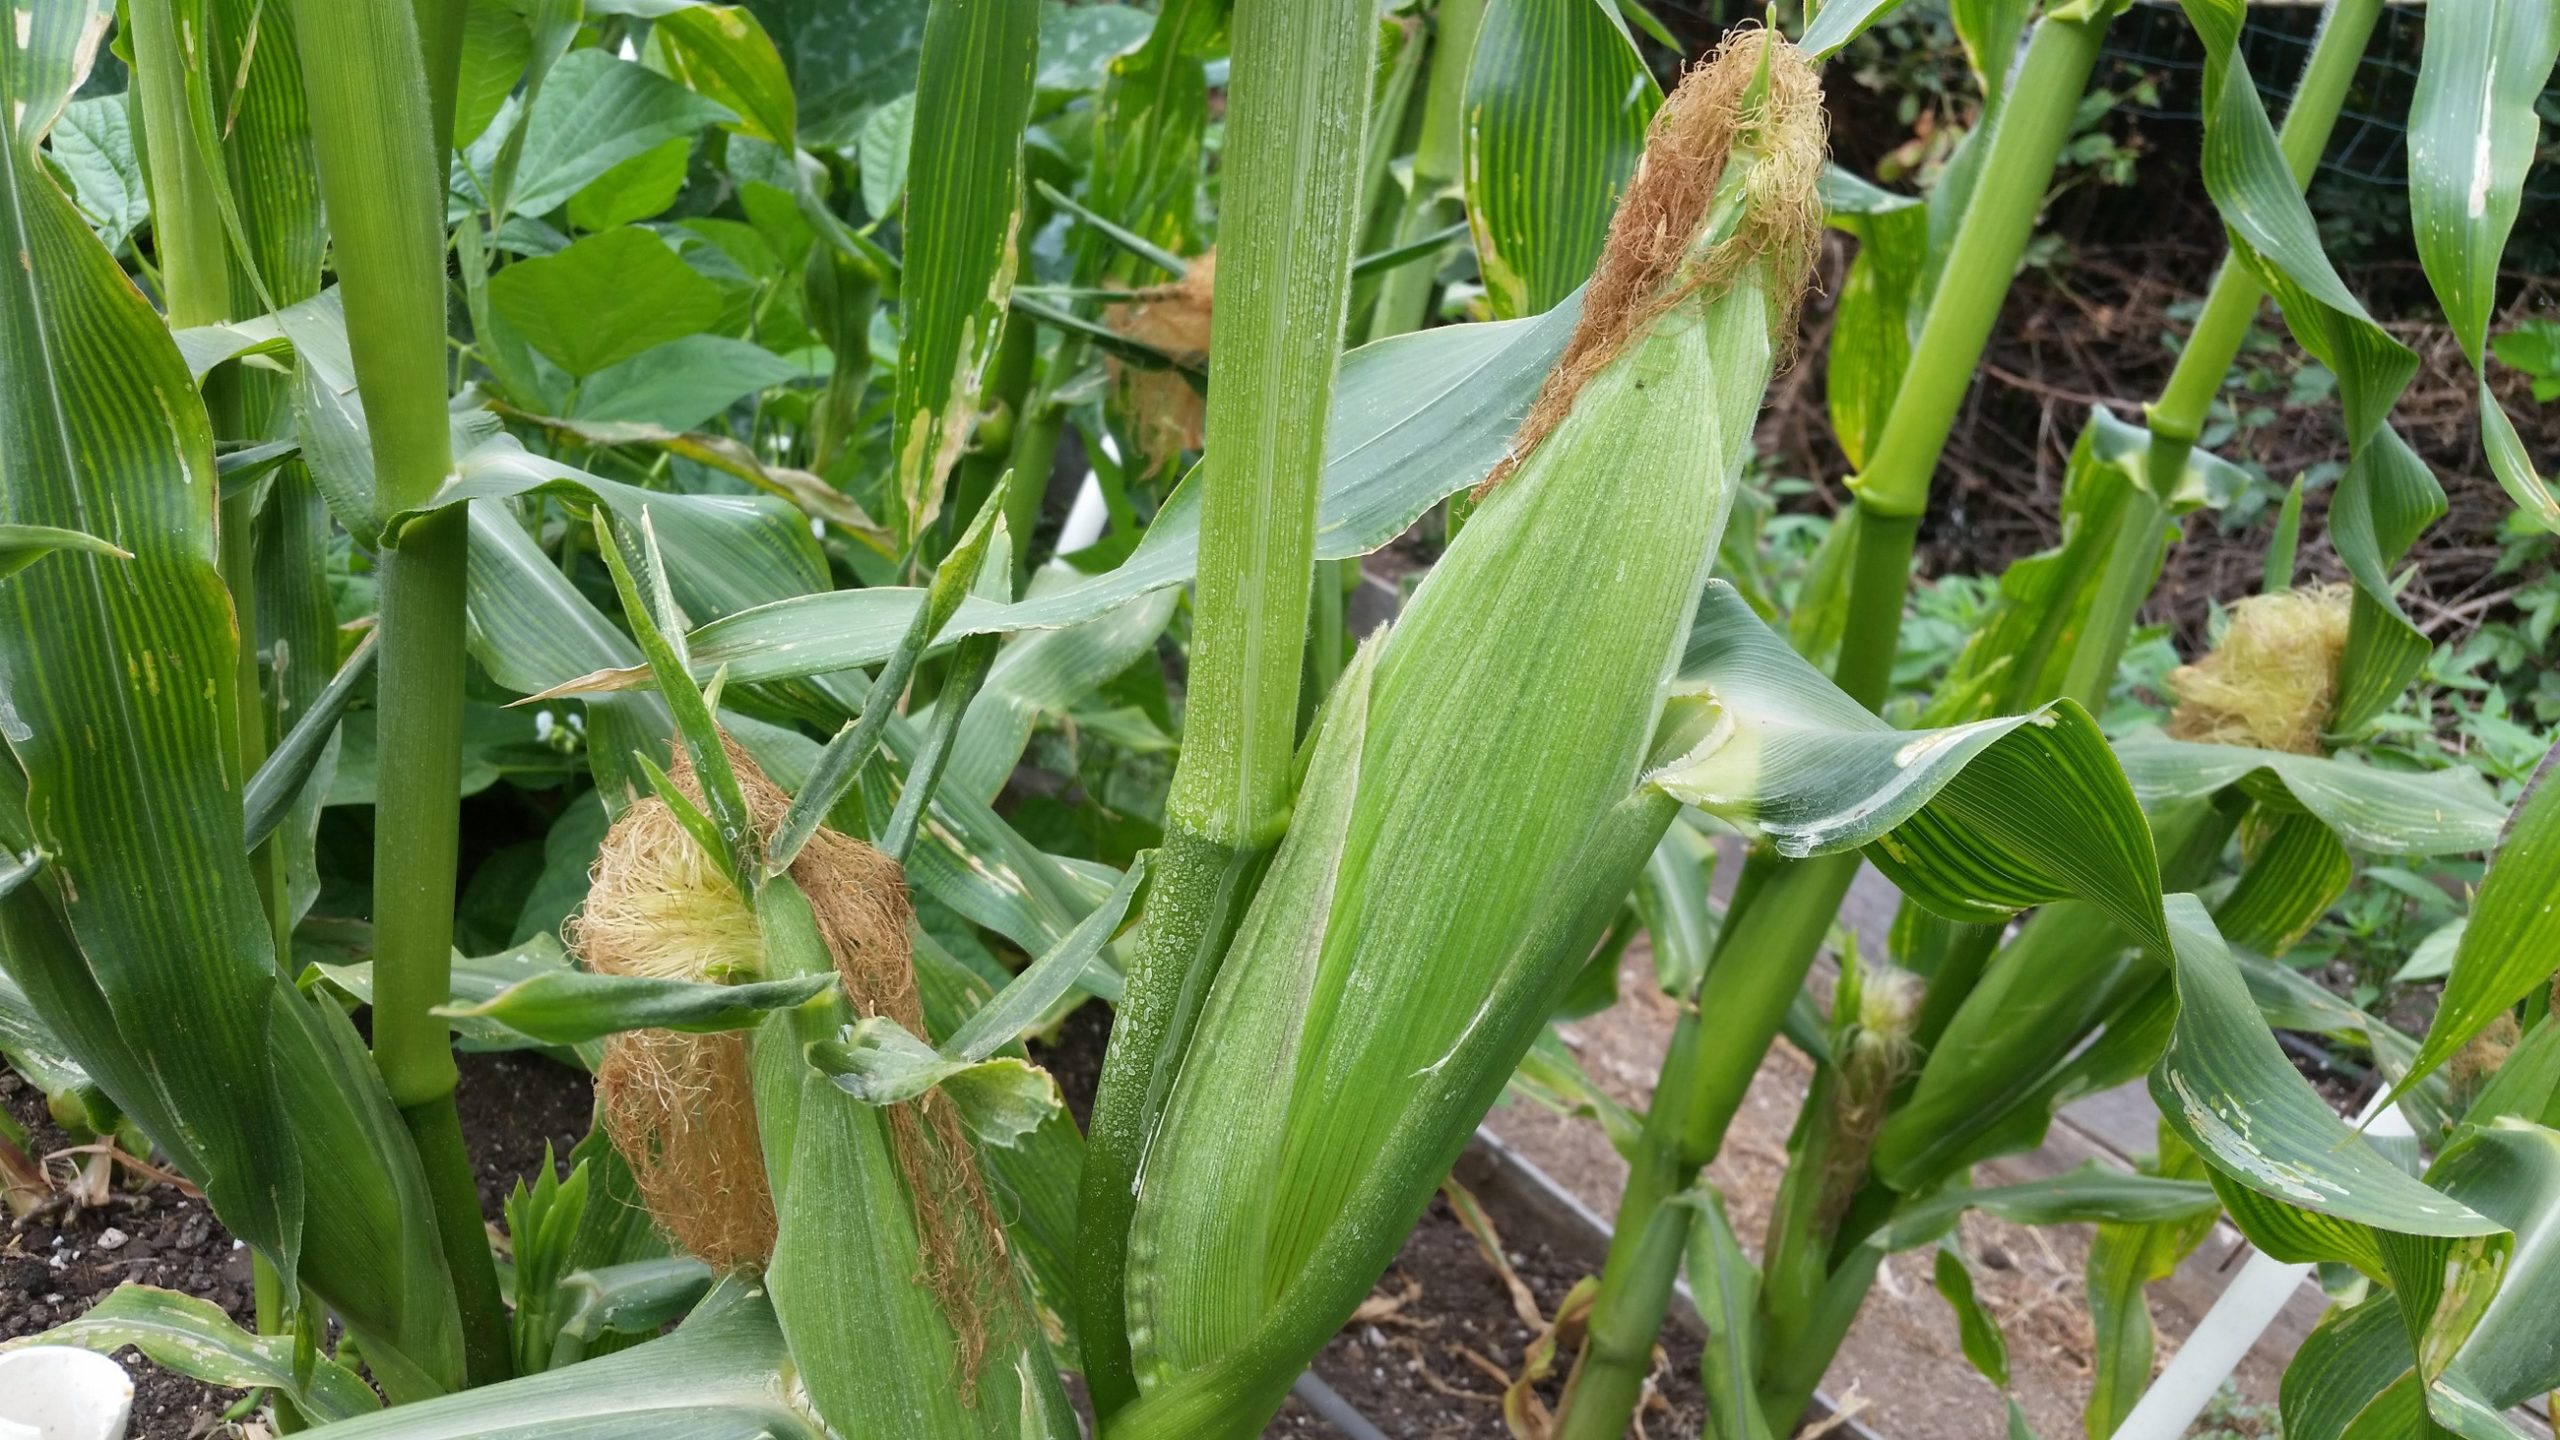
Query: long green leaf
[2509, 1171]
[1975, 821]
[569, 1007]
[1416, 418]
[119, 673]
[196, 1339]
[2383, 812]
[2473, 132]
[964, 188]
[2228, 1090]
[2512, 944]
[2087, 1194]
[1557, 105]
[2354, 1376]
[1728, 1289]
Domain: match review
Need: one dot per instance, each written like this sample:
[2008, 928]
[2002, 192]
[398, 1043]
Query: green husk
[1430, 899]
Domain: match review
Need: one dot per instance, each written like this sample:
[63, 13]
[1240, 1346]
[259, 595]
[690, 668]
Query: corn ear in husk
[1473, 784]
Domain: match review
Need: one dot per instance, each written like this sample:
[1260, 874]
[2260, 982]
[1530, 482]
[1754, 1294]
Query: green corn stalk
[1454, 853]
[382, 174]
[1297, 104]
[1405, 292]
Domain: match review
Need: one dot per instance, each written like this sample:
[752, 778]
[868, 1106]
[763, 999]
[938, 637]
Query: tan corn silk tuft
[2471, 1067]
[1647, 267]
[1174, 319]
[677, 1106]
[680, 1107]
[2273, 679]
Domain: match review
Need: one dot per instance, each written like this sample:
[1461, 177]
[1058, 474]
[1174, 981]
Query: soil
[63, 1259]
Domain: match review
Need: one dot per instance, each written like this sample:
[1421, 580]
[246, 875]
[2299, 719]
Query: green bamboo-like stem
[382, 178]
[440, 26]
[1297, 98]
[1439, 153]
[1760, 963]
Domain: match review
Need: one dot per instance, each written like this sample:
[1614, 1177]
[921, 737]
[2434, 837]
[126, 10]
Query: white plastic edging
[58, 1392]
[2230, 1330]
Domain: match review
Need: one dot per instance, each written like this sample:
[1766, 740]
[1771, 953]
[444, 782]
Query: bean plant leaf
[844, 59]
[1974, 821]
[2381, 812]
[2226, 1087]
[93, 143]
[196, 1339]
[1557, 102]
[2473, 130]
[604, 300]
[2511, 945]
[595, 111]
[964, 194]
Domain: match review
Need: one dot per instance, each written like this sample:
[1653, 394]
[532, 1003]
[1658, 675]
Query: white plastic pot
[56, 1392]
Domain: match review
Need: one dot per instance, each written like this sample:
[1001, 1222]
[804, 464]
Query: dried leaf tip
[1757, 99]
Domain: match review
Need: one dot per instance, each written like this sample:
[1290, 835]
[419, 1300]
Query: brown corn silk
[681, 1108]
[1648, 265]
[1172, 318]
[2273, 680]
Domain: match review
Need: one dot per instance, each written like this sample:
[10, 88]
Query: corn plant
[545, 335]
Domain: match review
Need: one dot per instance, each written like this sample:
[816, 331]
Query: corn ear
[1473, 783]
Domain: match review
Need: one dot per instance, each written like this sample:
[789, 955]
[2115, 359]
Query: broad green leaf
[93, 143]
[2354, 1377]
[596, 111]
[683, 383]
[2512, 944]
[721, 1376]
[1974, 821]
[2387, 497]
[722, 51]
[2087, 1194]
[964, 187]
[2124, 1259]
[2473, 132]
[1840, 22]
[1728, 1290]
[1416, 417]
[2226, 1087]
[2294, 870]
[33, 1050]
[638, 188]
[2432, 958]
[844, 59]
[637, 1297]
[569, 1007]
[1557, 102]
[604, 299]
[1149, 126]
[2298, 1236]
[196, 1339]
[2509, 1171]
[118, 676]
[290, 764]
[2382, 812]
[477, 979]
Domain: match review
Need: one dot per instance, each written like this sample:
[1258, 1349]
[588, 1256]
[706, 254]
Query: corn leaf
[2226, 1087]
[196, 1339]
[2124, 1259]
[2383, 812]
[1557, 103]
[719, 1377]
[23, 545]
[569, 1007]
[1728, 1290]
[2472, 136]
[2087, 1194]
[31, 1046]
[2512, 944]
[2387, 496]
[292, 763]
[119, 677]
[1416, 418]
[2508, 1170]
[1974, 822]
[2297, 1236]
[1873, 318]
[2354, 1377]
[964, 187]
